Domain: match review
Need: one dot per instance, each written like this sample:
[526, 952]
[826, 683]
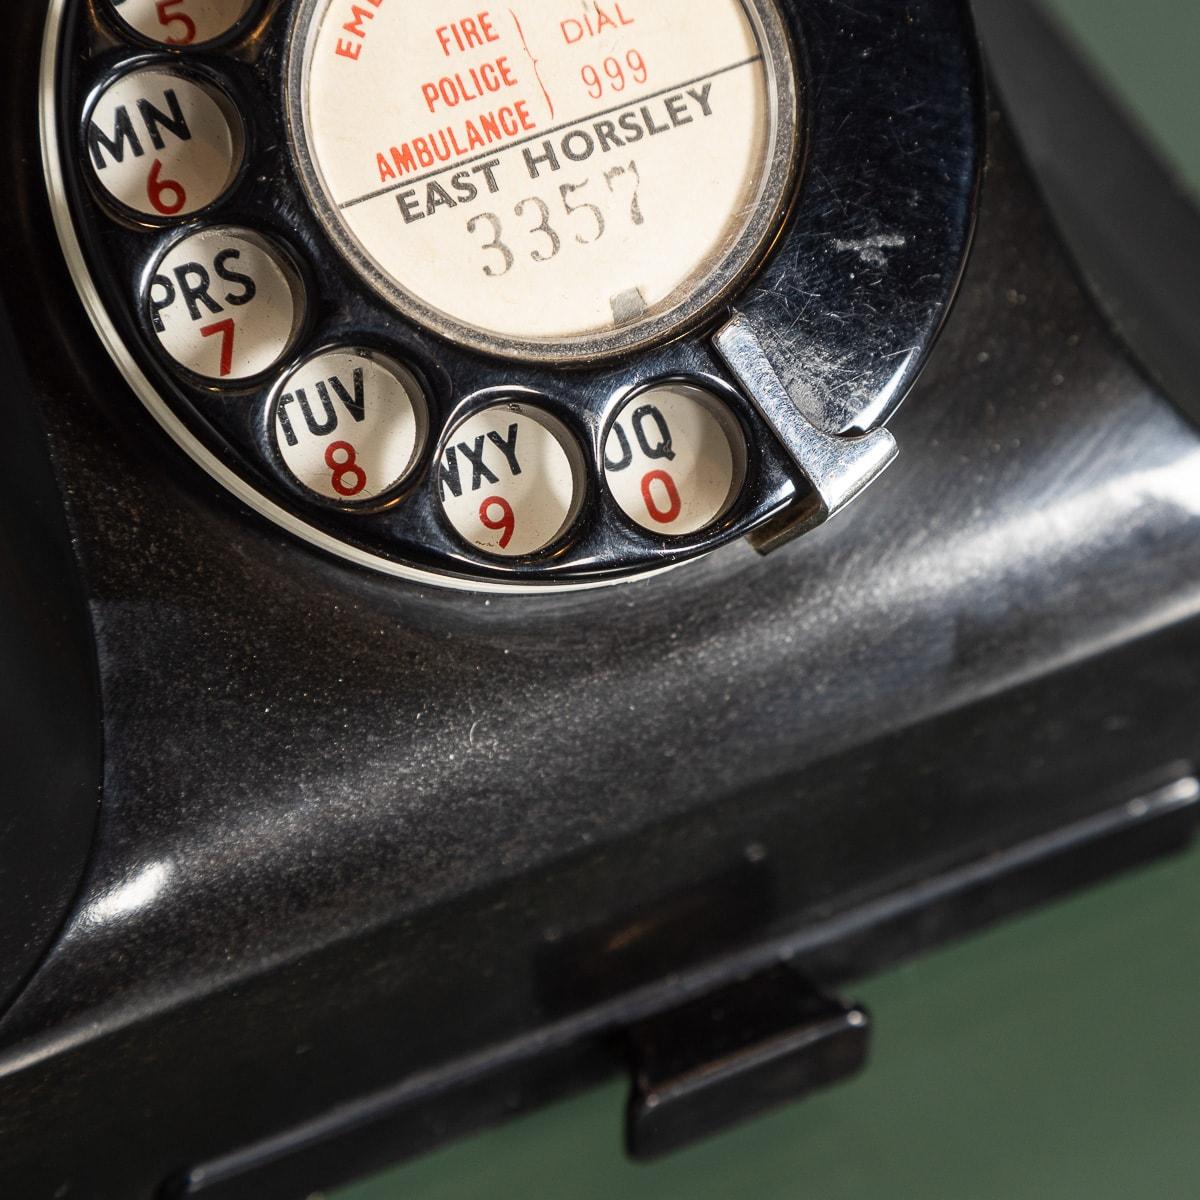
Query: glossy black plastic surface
[360, 837]
[735, 1053]
[377, 864]
[49, 696]
[856, 285]
[1125, 214]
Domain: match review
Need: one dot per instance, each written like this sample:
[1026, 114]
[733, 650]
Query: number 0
[664, 516]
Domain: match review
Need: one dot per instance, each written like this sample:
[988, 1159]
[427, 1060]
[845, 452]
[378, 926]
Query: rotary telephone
[453, 650]
[524, 323]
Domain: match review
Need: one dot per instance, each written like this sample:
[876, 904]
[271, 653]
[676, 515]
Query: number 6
[157, 187]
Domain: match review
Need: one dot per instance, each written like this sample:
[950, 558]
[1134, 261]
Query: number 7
[226, 330]
[635, 208]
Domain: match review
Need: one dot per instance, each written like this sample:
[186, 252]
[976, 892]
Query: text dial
[163, 144]
[181, 22]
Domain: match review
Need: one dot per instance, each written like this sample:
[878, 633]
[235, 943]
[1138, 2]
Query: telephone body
[463, 598]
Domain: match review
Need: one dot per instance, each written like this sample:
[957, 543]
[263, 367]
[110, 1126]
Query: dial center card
[546, 176]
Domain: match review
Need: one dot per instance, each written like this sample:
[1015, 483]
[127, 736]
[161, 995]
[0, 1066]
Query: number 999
[615, 74]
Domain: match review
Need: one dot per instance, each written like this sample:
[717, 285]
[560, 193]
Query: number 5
[167, 18]
[566, 190]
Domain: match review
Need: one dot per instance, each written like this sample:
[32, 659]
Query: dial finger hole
[162, 144]
[675, 459]
[511, 481]
[350, 425]
[225, 304]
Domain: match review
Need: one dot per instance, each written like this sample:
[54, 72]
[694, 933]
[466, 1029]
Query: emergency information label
[162, 144]
[545, 171]
[510, 480]
[225, 304]
[674, 459]
[181, 22]
[350, 424]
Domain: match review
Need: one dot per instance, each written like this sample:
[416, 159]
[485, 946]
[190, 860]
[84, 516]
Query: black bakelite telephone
[420, 697]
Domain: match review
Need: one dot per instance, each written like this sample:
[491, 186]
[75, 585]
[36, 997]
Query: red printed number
[664, 516]
[167, 18]
[224, 329]
[614, 77]
[342, 459]
[159, 189]
[506, 526]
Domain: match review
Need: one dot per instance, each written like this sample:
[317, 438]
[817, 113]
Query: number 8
[342, 459]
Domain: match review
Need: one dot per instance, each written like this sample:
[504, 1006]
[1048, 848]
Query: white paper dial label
[546, 178]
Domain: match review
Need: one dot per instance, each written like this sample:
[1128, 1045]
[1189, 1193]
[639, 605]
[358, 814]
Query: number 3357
[581, 219]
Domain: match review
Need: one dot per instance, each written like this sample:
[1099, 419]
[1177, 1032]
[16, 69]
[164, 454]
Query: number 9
[506, 526]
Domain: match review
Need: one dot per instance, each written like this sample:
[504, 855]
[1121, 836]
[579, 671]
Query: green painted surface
[1055, 1057]
[1149, 49]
